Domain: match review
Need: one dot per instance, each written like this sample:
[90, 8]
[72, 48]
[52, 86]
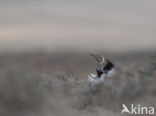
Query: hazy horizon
[84, 25]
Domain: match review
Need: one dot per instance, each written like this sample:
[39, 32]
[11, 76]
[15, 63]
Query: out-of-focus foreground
[56, 85]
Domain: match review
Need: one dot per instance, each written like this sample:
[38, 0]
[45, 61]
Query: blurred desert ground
[43, 84]
[44, 56]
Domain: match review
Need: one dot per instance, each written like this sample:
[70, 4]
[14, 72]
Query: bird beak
[95, 57]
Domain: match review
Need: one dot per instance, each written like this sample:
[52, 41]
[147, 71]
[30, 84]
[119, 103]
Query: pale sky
[88, 25]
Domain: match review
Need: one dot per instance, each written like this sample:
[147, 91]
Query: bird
[105, 67]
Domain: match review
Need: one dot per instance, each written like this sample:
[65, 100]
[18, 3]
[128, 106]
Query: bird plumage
[104, 67]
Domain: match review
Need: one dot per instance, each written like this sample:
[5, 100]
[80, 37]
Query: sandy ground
[41, 84]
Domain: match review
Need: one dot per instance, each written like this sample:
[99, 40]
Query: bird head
[98, 58]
